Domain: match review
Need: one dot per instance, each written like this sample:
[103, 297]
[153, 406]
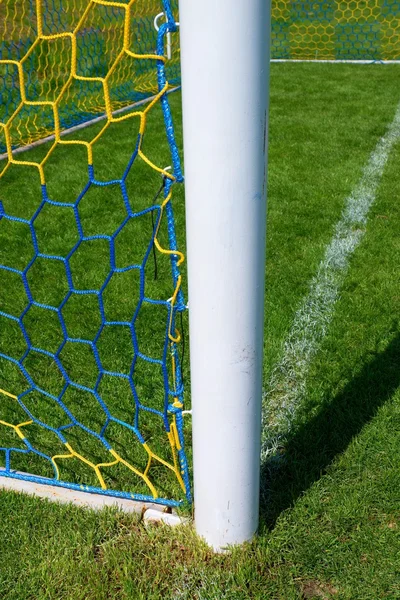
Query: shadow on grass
[312, 448]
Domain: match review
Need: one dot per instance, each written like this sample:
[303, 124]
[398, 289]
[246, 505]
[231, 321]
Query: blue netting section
[25, 389]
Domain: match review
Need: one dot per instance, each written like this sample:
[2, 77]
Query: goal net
[72, 31]
[336, 30]
[91, 385]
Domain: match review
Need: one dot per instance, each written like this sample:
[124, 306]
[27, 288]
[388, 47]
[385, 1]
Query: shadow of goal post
[225, 73]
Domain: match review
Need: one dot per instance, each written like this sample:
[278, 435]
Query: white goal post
[225, 118]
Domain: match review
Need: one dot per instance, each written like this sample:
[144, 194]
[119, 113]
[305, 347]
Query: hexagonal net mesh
[45, 49]
[336, 30]
[91, 385]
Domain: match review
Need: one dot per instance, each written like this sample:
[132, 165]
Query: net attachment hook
[169, 35]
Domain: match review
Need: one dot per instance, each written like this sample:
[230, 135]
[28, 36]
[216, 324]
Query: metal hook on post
[169, 36]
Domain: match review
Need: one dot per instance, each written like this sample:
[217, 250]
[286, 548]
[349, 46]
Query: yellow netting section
[173, 439]
[336, 30]
[70, 47]
[79, 58]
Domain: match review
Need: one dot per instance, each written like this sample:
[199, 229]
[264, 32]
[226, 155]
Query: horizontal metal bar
[148, 510]
[50, 138]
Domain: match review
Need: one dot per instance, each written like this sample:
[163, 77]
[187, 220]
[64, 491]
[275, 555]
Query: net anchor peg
[153, 515]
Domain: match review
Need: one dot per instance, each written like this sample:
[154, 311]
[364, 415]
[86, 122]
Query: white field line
[287, 386]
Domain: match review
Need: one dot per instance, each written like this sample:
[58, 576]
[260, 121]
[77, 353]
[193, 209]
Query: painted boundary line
[287, 386]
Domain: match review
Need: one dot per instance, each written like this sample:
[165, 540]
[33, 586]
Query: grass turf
[331, 525]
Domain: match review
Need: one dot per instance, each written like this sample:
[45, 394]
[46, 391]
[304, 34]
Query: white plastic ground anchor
[152, 515]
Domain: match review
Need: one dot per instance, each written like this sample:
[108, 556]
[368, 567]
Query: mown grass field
[330, 516]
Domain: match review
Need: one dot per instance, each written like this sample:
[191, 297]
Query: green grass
[330, 518]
